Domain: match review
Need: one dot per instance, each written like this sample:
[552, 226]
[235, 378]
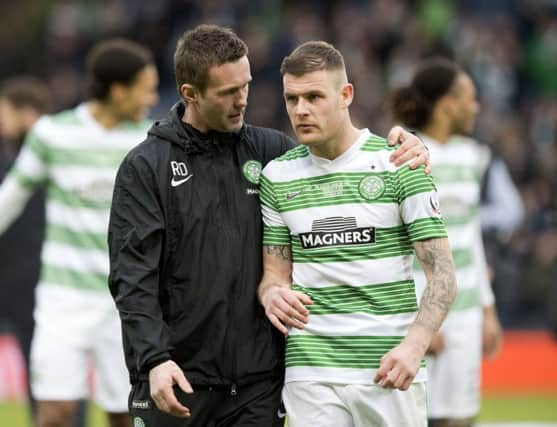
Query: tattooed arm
[283, 306]
[399, 366]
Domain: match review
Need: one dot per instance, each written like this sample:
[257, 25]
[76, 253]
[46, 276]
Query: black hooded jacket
[185, 253]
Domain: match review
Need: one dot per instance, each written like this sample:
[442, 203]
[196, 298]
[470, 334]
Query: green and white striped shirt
[76, 160]
[350, 223]
[458, 168]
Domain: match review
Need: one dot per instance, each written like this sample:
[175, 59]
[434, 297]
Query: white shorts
[453, 383]
[74, 328]
[354, 405]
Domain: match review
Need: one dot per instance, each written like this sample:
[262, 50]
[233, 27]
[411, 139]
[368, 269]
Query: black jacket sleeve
[135, 239]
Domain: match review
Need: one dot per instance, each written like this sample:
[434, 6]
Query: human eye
[291, 99]
[312, 97]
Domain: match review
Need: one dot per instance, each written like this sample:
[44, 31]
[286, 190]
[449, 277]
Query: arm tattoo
[437, 262]
[279, 251]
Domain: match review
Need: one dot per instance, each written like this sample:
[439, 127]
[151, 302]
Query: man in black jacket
[185, 249]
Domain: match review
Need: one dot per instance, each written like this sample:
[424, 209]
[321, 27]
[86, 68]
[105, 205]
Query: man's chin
[234, 127]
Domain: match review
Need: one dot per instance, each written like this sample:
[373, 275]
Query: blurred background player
[74, 156]
[23, 100]
[441, 104]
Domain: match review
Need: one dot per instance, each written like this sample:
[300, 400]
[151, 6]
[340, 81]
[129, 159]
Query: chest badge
[252, 171]
[371, 187]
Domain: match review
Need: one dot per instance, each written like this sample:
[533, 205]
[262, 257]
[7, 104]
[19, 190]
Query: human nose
[242, 99]
[300, 109]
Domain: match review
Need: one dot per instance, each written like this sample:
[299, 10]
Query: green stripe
[465, 215]
[376, 143]
[78, 239]
[73, 278]
[68, 117]
[24, 180]
[465, 299]
[412, 182]
[455, 173]
[276, 236]
[74, 199]
[315, 182]
[426, 228]
[329, 190]
[100, 157]
[340, 351]
[390, 242]
[295, 153]
[379, 299]
[462, 258]
[266, 193]
[37, 146]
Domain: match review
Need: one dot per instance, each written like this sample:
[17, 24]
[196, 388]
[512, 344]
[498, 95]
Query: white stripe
[84, 136]
[13, 198]
[71, 177]
[74, 258]
[356, 324]
[379, 215]
[30, 165]
[271, 218]
[417, 207]
[355, 273]
[338, 375]
[78, 219]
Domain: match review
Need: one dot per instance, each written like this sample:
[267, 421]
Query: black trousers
[254, 405]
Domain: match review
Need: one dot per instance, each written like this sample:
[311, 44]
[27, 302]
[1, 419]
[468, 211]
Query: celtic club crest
[371, 187]
[252, 171]
[138, 422]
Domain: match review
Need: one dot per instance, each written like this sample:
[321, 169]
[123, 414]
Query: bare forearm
[436, 259]
[277, 268]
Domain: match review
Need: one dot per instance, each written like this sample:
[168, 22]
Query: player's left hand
[399, 366]
[411, 148]
[492, 334]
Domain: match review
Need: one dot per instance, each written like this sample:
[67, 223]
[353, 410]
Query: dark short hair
[312, 56]
[27, 91]
[114, 61]
[202, 48]
[413, 105]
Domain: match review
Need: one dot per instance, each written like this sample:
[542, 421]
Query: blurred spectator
[22, 101]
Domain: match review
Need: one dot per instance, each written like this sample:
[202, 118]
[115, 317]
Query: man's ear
[347, 94]
[117, 92]
[448, 105]
[189, 92]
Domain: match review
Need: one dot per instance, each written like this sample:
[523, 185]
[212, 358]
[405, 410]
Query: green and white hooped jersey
[458, 168]
[76, 160]
[350, 223]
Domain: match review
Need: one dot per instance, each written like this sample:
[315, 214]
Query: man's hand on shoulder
[411, 148]
[161, 381]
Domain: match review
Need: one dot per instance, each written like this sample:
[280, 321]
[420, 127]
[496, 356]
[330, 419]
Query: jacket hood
[191, 140]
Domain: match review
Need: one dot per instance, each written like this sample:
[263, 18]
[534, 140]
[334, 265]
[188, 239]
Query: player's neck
[104, 114]
[438, 131]
[336, 146]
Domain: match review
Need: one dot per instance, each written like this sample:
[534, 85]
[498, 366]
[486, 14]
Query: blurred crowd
[508, 46]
